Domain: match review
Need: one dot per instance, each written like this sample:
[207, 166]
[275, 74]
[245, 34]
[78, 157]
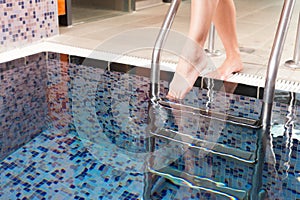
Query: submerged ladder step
[197, 182]
[207, 146]
[242, 121]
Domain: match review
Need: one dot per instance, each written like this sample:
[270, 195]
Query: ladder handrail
[161, 38]
[274, 62]
[266, 111]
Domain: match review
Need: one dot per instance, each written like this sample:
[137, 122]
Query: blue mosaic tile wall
[23, 105]
[26, 21]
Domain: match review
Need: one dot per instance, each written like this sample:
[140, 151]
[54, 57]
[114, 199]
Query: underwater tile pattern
[56, 165]
[23, 22]
[95, 144]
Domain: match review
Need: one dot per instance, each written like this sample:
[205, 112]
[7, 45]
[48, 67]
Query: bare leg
[188, 68]
[225, 22]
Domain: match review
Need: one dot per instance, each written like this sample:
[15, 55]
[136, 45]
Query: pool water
[74, 128]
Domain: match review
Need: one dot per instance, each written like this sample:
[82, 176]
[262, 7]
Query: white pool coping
[45, 46]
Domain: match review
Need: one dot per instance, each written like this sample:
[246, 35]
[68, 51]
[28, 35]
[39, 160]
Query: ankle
[233, 52]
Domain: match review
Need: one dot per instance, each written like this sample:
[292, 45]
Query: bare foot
[185, 76]
[229, 67]
[183, 80]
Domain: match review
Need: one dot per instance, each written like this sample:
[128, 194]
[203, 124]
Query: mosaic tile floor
[56, 165]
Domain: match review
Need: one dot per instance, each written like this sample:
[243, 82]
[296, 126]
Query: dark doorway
[82, 11]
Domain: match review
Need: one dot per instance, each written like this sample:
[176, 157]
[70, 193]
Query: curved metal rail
[161, 38]
[274, 61]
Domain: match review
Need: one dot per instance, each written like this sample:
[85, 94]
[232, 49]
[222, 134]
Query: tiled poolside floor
[256, 27]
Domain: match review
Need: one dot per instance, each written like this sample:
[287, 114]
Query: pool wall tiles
[26, 21]
[23, 106]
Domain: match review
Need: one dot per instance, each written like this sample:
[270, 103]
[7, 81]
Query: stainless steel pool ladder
[273, 63]
[264, 123]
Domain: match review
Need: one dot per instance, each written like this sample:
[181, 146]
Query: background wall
[120, 5]
[26, 21]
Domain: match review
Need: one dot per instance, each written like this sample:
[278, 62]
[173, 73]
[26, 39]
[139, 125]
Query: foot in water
[186, 75]
[184, 78]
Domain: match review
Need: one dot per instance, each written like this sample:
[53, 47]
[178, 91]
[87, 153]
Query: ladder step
[207, 146]
[242, 121]
[182, 178]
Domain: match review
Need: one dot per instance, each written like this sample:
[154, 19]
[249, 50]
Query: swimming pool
[79, 128]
